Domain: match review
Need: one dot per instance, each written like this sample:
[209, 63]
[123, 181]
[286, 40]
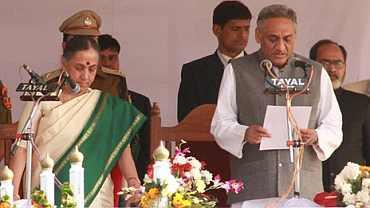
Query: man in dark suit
[355, 111]
[200, 79]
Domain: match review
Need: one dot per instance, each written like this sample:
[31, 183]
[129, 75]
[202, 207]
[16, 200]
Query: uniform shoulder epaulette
[51, 75]
[112, 71]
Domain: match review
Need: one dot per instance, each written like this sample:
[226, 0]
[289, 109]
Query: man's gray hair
[276, 11]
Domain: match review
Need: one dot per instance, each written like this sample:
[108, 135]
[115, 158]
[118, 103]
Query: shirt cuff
[236, 146]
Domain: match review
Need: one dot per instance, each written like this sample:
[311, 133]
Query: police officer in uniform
[5, 111]
[5, 105]
[87, 22]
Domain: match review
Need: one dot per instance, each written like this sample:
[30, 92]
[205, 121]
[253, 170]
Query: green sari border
[102, 177]
[85, 136]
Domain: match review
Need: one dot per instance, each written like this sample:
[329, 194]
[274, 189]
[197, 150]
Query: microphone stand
[294, 145]
[28, 135]
[294, 141]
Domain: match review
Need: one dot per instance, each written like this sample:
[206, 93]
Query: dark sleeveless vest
[268, 173]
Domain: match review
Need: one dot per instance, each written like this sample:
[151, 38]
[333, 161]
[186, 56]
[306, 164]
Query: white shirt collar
[225, 58]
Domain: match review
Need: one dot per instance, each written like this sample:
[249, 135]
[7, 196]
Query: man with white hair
[241, 107]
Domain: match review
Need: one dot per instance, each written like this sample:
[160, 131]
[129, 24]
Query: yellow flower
[187, 203]
[178, 201]
[4, 205]
[153, 193]
[144, 201]
[148, 198]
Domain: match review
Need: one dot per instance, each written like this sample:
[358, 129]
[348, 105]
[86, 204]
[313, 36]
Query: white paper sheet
[276, 124]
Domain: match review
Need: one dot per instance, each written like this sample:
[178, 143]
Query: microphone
[75, 87]
[300, 63]
[266, 64]
[34, 76]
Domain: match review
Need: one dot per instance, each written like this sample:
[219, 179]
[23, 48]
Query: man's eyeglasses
[338, 64]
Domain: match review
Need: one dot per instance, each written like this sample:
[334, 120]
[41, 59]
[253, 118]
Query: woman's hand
[134, 182]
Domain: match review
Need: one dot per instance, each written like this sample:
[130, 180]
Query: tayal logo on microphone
[293, 77]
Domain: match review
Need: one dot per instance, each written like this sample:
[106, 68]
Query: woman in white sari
[100, 125]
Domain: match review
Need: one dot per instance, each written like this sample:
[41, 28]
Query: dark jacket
[200, 82]
[356, 135]
[141, 143]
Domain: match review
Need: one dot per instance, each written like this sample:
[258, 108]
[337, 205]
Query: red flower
[149, 171]
[181, 169]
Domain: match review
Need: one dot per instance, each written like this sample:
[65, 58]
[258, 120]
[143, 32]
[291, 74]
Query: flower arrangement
[180, 182]
[67, 200]
[353, 183]
[39, 199]
[5, 202]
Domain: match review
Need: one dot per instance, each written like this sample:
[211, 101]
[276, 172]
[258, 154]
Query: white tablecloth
[275, 203]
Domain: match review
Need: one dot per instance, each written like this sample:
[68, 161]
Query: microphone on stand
[73, 85]
[34, 76]
[266, 65]
[301, 63]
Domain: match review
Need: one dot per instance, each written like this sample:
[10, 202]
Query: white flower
[346, 188]
[147, 179]
[363, 196]
[349, 199]
[196, 200]
[195, 164]
[350, 171]
[195, 173]
[171, 187]
[366, 183]
[179, 159]
[339, 182]
[207, 176]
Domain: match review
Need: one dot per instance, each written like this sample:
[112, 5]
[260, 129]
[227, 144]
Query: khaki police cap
[85, 22]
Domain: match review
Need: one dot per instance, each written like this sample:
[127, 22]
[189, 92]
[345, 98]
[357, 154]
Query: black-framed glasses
[338, 64]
